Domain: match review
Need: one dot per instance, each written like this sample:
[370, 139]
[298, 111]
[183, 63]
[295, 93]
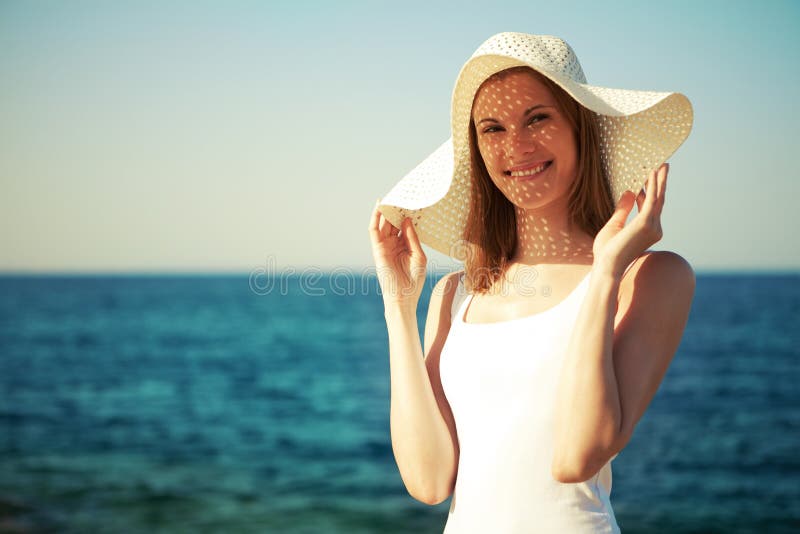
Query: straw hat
[639, 131]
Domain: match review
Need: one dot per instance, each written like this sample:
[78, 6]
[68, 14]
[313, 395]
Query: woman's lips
[530, 173]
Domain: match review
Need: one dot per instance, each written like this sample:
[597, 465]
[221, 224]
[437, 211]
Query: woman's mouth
[529, 174]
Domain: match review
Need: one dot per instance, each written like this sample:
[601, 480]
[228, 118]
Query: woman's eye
[535, 117]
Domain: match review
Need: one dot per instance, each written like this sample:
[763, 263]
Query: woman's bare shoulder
[661, 263]
[437, 324]
[451, 278]
[654, 271]
[445, 289]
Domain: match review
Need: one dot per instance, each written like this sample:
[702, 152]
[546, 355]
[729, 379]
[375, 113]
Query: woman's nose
[519, 145]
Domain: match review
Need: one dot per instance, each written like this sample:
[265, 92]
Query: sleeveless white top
[500, 381]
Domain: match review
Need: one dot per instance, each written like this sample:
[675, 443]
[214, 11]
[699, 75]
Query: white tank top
[500, 380]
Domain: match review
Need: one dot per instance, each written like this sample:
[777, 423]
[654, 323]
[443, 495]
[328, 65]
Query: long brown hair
[491, 228]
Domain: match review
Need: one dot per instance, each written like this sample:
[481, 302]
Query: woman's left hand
[617, 245]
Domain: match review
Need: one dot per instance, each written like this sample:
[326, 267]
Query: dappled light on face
[529, 151]
[518, 124]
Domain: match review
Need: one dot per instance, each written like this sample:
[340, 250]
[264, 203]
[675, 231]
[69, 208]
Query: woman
[528, 388]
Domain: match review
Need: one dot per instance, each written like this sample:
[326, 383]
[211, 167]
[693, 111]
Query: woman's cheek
[487, 154]
[492, 151]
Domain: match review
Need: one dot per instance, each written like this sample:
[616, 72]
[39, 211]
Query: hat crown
[546, 52]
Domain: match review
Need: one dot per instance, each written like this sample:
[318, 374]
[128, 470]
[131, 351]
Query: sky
[236, 136]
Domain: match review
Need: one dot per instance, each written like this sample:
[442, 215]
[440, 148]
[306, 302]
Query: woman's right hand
[399, 261]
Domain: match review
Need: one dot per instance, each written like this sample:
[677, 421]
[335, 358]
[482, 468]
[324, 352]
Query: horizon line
[309, 269]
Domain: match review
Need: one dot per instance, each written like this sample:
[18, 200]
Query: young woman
[541, 356]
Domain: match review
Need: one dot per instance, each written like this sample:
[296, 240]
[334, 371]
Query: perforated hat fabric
[639, 130]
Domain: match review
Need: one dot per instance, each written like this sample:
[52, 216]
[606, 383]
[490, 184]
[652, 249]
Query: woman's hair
[491, 230]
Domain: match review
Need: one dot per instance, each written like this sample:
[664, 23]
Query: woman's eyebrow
[527, 112]
[532, 108]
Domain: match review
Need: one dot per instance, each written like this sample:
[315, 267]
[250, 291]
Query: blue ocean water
[210, 404]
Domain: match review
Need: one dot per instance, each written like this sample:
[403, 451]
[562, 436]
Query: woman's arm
[611, 372]
[423, 431]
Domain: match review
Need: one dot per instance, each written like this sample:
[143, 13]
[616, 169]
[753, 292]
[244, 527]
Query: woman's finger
[374, 220]
[385, 227]
[662, 192]
[413, 238]
[639, 200]
[392, 229]
[650, 193]
[658, 188]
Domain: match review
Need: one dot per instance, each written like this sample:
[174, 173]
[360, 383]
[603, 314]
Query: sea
[233, 403]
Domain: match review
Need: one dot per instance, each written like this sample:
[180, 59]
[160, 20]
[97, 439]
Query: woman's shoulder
[449, 285]
[441, 309]
[654, 272]
[449, 291]
[662, 263]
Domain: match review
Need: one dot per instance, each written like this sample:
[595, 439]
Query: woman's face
[519, 129]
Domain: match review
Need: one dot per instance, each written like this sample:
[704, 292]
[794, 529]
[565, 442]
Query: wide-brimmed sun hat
[639, 130]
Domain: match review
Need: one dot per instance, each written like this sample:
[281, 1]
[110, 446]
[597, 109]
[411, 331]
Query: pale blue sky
[221, 136]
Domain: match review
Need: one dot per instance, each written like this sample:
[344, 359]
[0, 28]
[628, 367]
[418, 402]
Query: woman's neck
[545, 236]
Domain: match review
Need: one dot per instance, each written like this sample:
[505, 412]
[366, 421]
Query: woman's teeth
[531, 172]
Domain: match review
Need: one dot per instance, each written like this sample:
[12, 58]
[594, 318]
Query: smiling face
[525, 140]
